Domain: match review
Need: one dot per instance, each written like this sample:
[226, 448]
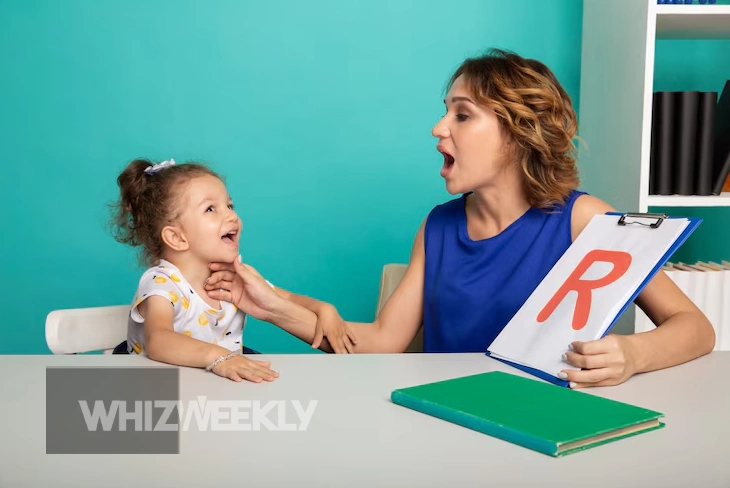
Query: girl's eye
[210, 209]
[230, 206]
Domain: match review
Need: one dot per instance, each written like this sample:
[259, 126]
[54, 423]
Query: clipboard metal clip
[659, 218]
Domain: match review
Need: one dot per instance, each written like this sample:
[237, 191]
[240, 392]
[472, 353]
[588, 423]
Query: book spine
[722, 141]
[705, 140]
[474, 423]
[665, 144]
[653, 161]
[686, 140]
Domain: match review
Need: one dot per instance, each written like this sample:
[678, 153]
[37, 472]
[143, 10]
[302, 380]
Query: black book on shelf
[722, 141]
[685, 130]
[705, 143]
[653, 166]
[665, 147]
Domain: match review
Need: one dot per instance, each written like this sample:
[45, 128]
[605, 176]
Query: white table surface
[357, 437]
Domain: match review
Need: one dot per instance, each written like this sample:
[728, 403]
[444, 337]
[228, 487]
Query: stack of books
[690, 143]
[685, 2]
[708, 286]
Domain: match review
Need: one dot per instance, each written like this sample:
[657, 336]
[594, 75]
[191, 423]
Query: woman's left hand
[604, 362]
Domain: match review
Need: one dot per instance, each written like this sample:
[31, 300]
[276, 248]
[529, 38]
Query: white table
[357, 437]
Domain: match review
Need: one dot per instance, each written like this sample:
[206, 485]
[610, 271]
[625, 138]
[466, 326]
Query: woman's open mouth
[448, 164]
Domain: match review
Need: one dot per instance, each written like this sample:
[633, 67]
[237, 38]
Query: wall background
[318, 113]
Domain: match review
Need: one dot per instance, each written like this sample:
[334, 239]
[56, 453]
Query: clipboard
[651, 220]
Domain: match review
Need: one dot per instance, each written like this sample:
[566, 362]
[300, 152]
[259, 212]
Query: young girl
[183, 219]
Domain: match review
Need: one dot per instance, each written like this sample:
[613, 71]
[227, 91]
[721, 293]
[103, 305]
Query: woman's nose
[440, 130]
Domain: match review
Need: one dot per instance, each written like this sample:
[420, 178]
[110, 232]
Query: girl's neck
[195, 273]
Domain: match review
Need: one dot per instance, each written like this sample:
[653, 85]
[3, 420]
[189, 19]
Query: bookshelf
[692, 21]
[688, 201]
[616, 92]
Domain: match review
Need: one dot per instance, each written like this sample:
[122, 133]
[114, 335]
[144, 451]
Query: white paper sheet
[541, 345]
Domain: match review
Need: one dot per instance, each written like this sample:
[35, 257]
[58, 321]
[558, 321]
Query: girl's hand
[330, 325]
[605, 362]
[240, 368]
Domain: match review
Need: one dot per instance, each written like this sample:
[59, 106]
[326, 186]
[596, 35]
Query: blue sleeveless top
[473, 288]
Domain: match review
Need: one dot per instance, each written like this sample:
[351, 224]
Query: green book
[540, 416]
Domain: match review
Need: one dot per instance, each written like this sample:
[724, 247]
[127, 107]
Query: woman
[507, 141]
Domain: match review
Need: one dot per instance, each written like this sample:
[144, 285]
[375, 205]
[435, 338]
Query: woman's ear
[174, 238]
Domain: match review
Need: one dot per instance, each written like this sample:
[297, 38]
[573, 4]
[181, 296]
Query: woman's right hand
[241, 285]
[240, 368]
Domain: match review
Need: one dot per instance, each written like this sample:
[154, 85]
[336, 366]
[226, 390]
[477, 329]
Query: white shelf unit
[617, 85]
[616, 92]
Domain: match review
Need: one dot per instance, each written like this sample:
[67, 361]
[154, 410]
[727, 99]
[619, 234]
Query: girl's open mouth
[229, 237]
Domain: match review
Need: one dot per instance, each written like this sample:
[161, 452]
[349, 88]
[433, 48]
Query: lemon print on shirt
[185, 303]
[174, 278]
[173, 296]
[203, 319]
[188, 333]
[137, 347]
[160, 279]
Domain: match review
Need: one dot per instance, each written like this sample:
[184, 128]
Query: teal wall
[705, 66]
[318, 113]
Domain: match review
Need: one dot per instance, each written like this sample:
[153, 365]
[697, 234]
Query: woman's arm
[683, 332]
[391, 332]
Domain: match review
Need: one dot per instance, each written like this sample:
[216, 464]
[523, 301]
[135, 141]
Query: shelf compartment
[693, 21]
[722, 200]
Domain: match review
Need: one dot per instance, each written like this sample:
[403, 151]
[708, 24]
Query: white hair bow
[157, 167]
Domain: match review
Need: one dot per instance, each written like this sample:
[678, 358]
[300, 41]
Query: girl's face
[471, 141]
[207, 222]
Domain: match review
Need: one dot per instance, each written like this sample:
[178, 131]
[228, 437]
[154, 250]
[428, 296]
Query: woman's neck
[491, 210]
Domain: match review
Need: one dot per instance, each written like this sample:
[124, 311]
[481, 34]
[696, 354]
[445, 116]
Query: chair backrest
[390, 279]
[78, 330]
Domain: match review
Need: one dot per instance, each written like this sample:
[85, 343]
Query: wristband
[220, 360]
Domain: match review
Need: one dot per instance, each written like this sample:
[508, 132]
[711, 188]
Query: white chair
[79, 330]
[391, 276]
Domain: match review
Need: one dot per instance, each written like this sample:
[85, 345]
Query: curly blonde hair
[536, 113]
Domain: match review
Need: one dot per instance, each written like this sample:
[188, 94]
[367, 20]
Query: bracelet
[220, 360]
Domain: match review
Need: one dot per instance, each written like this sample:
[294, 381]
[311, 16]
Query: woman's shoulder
[585, 207]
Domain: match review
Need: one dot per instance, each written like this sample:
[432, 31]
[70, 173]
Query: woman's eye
[461, 117]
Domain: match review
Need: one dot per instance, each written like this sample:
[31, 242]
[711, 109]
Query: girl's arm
[165, 345]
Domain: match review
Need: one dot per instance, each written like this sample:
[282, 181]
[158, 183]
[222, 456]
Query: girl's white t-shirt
[193, 317]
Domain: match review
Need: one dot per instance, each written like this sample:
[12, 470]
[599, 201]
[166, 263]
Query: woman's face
[471, 141]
